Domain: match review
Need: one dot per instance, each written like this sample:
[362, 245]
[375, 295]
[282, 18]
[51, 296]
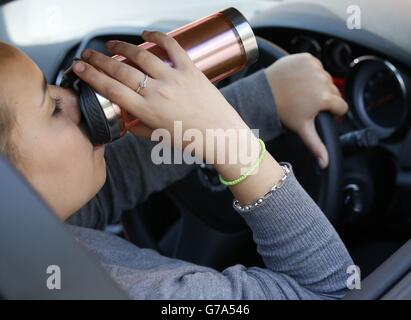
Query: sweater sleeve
[304, 258]
[298, 244]
[131, 174]
[303, 255]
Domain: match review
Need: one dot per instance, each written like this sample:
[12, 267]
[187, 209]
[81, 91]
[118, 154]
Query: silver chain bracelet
[286, 169]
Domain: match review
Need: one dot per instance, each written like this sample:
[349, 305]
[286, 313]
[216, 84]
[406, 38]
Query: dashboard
[376, 87]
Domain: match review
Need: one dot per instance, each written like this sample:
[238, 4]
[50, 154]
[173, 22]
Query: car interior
[364, 192]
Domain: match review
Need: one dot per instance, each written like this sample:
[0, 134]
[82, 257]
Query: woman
[41, 132]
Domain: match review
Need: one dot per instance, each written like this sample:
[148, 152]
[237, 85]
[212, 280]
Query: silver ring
[143, 84]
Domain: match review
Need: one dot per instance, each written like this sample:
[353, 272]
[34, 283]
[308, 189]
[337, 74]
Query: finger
[335, 90]
[336, 105]
[141, 130]
[317, 61]
[111, 89]
[312, 140]
[142, 58]
[120, 71]
[175, 52]
[328, 76]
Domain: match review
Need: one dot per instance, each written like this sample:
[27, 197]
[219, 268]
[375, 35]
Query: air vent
[301, 44]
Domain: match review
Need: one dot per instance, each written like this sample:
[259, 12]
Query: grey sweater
[303, 255]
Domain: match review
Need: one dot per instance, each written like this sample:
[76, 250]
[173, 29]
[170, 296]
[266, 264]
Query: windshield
[37, 22]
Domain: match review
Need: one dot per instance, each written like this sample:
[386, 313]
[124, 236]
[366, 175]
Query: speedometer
[378, 96]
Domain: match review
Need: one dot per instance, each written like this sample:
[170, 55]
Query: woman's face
[54, 153]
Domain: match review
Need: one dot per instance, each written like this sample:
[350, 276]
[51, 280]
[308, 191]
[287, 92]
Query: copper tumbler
[220, 45]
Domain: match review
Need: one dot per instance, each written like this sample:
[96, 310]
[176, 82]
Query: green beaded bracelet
[230, 183]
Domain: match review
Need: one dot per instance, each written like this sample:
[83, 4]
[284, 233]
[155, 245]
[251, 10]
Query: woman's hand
[179, 93]
[302, 89]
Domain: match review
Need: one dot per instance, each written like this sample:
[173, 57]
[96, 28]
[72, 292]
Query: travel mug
[220, 45]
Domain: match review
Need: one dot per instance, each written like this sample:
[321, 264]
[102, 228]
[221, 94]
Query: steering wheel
[324, 186]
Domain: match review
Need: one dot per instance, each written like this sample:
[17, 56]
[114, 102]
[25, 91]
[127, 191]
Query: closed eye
[57, 107]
